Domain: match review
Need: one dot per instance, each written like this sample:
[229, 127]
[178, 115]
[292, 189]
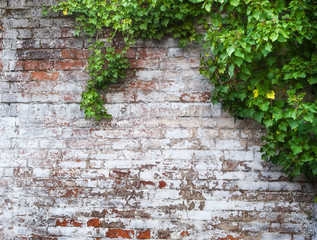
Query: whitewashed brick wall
[169, 165]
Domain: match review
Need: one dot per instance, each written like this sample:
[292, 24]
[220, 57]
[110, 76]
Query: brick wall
[169, 165]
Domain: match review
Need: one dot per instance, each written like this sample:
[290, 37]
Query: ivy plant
[260, 55]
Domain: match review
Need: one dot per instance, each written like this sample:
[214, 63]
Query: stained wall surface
[169, 165]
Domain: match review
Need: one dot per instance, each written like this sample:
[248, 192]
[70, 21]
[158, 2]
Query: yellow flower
[222, 70]
[65, 11]
[271, 95]
[256, 93]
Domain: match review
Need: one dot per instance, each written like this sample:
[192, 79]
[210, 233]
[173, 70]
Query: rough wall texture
[169, 165]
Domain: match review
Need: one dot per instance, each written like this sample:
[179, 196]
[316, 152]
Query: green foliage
[131, 19]
[260, 55]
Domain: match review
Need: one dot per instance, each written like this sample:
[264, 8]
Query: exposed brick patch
[144, 183]
[162, 184]
[144, 63]
[93, 223]
[67, 222]
[75, 224]
[120, 174]
[68, 65]
[30, 65]
[40, 76]
[75, 53]
[144, 234]
[119, 233]
[184, 234]
[68, 53]
[61, 223]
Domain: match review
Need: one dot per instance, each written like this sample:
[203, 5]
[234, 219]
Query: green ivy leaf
[264, 106]
[231, 70]
[239, 53]
[309, 117]
[283, 126]
[238, 61]
[312, 80]
[230, 50]
[208, 7]
[296, 149]
[234, 2]
[268, 123]
[268, 47]
[259, 116]
[274, 36]
[143, 26]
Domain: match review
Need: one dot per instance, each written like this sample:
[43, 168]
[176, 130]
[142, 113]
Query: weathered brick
[93, 223]
[144, 64]
[38, 54]
[68, 53]
[168, 165]
[33, 65]
[70, 65]
[119, 233]
[150, 53]
[41, 76]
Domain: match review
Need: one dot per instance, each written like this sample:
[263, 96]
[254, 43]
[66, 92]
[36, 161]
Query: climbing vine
[260, 55]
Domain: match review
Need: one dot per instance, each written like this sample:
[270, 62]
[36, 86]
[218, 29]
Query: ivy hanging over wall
[260, 54]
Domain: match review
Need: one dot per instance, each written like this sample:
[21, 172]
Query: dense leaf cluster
[260, 54]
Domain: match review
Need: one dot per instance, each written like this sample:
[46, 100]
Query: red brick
[70, 65]
[68, 53]
[75, 224]
[93, 223]
[116, 233]
[37, 65]
[162, 184]
[184, 234]
[71, 193]
[144, 234]
[144, 183]
[144, 63]
[120, 174]
[131, 53]
[82, 53]
[40, 76]
[61, 223]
